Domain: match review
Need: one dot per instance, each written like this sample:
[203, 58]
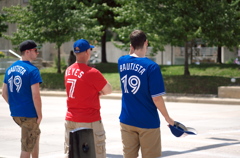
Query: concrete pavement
[217, 126]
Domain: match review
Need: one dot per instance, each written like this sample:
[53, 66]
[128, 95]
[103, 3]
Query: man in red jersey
[84, 85]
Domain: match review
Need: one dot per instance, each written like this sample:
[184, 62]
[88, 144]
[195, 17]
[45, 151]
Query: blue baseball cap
[81, 45]
[179, 130]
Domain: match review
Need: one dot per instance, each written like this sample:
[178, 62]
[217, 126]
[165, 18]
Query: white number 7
[73, 83]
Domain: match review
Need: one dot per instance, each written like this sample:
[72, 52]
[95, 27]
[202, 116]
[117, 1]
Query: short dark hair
[137, 39]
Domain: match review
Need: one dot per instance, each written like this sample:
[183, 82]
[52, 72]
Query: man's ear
[131, 49]
[88, 51]
[146, 42]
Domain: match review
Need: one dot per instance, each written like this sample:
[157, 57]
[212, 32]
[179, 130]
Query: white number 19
[133, 81]
[17, 81]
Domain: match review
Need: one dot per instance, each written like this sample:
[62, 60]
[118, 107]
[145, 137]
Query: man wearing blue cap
[84, 85]
[21, 90]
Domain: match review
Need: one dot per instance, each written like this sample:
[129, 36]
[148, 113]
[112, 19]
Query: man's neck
[139, 53]
[25, 59]
[81, 61]
[81, 58]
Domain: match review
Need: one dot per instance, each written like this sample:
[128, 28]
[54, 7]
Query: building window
[25, 1]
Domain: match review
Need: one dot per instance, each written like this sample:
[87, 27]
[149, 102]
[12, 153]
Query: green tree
[180, 23]
[220, 23]
[105, 17]
[3, 25]
[55, 21]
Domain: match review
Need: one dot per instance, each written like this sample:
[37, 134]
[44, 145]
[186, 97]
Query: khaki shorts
[30, 132]
[134, 138]
[99, 136]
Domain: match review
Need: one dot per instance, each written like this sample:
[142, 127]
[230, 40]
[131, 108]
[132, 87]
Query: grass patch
[53, 81]
[114, 80]
[204, 79]
[195, 84]
[1, 79]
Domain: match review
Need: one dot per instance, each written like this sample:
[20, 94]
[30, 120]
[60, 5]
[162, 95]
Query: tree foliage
[220, 23]
[105, 18]
[179, 23]
[3, 25]
[54, 21]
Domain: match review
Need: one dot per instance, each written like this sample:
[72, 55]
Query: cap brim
[38, 47]
[191, 131]
[179, 130]
[91, 46]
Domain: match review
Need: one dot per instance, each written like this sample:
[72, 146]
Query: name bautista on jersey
[17, 68]
[132, 66]
[75, 72]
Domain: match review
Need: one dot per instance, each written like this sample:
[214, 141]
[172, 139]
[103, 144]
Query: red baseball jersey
[83, 84]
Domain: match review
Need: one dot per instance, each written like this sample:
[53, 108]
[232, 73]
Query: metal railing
[7, 61]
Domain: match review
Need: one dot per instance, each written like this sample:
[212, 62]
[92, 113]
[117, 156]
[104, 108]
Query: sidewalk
[207, 99]
[217, 127]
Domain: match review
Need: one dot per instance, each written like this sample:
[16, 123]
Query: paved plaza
[218, 129]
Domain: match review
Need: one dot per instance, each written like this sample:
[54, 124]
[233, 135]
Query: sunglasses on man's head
[34, 50]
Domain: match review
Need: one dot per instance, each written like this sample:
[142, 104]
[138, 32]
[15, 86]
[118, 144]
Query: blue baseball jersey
[19, 77]
[141, 79]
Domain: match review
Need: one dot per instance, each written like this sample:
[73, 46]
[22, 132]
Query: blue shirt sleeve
[156, 83]
[35, 77]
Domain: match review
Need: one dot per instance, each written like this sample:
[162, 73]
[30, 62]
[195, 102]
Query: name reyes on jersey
[74, 72]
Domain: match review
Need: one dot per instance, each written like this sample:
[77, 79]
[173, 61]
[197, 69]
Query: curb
[207, 100]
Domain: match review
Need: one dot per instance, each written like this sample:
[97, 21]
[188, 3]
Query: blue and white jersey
[141, 79]
[19, 77]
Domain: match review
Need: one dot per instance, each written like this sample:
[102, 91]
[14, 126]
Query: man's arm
[5, 92]
[107, 89]
[159, 102]
[37, 101]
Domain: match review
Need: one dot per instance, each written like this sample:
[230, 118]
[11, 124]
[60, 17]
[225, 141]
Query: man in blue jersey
[142, 89]
[21, 91]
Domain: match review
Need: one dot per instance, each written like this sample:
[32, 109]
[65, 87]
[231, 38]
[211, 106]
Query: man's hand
[170, 121]
[39, 119]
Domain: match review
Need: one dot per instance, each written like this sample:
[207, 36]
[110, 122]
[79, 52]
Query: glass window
[25, 1]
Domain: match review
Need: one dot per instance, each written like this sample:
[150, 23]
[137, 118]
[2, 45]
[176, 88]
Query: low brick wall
[229, 92]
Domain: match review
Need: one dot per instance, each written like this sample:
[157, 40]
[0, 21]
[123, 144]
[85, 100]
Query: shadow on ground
[171, 153]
